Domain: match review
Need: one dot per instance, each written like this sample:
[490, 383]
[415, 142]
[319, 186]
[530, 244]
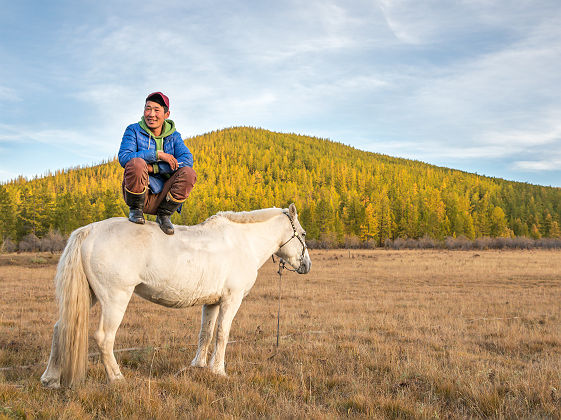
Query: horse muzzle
[305, 266]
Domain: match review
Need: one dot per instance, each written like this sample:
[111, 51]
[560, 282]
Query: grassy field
[377, 334]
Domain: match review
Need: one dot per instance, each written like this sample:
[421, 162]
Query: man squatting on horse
[158, 166]
[214, 264]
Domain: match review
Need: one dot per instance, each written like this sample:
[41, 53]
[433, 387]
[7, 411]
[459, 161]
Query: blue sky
[472, 85]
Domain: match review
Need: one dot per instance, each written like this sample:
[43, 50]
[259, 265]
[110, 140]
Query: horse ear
[292, 210]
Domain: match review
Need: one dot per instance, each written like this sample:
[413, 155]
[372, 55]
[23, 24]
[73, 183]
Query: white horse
[213, 264]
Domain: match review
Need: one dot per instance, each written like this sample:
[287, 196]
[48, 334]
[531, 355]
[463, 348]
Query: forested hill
[339, 192]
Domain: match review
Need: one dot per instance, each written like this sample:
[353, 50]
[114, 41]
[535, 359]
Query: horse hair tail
[73, 295]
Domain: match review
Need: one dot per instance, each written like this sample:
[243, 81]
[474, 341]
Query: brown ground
[383, 334]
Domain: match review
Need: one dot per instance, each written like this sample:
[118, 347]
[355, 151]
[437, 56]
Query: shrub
[352, 242]
[53, 242]
[329, 240]
[370, 244]
[397, 243]
[427, 242]
[8, 246]
[411, 243]
[29, 243]
[482, 243]
[549, 243]
[521, 242]
[461, 242]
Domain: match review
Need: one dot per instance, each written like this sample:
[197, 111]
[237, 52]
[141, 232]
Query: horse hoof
[219, 372]
[117, 379]
[198, 364]
[52, 383]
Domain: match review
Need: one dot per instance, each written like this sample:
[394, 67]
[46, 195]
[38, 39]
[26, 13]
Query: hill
[340, 192]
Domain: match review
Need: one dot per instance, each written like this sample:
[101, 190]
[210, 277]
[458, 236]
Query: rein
[282, 266]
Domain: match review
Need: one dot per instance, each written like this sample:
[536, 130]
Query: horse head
[293, 249]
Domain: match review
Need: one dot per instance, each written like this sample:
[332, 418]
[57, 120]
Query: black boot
[135, 201]
[163, 214]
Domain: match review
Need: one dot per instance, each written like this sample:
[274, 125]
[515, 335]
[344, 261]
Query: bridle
[296, 235]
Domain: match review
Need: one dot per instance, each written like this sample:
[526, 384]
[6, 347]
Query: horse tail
[73, 295]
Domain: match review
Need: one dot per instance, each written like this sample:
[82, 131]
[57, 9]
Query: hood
[167, 130]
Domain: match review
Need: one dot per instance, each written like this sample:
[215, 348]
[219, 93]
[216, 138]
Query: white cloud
[8, 94]
[438, 21]
[549, 134]
[433, 81]
[84, 144]
[227, 80]
[538, 166]
[497, 104]
[8, 133]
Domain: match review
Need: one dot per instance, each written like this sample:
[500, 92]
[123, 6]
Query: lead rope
[281, 267]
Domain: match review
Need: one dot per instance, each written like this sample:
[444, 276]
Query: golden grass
[382, 334]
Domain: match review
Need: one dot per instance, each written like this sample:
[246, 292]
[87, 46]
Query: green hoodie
[167, 130]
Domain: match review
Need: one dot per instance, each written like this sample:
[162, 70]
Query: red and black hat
[159, 98]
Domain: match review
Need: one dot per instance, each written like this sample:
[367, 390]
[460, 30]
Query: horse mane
[253, 216]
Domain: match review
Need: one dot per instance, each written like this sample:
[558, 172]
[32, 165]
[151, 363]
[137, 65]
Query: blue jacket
[137, 143]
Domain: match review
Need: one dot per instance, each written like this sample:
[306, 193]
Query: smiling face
[154, 116]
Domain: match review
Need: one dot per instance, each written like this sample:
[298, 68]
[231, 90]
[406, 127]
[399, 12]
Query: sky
[473, 85]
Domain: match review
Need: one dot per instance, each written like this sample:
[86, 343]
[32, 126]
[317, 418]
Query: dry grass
[383, 334]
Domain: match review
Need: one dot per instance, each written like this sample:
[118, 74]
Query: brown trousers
[179, 185]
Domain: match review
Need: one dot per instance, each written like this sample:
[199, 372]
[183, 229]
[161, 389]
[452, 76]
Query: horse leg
[51, 376]
[228, 309]
[208, 320]
[112, 312]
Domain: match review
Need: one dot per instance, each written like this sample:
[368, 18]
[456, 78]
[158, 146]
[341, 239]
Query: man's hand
[166, 157]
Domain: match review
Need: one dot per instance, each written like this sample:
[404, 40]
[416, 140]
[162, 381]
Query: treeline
[342, 194]
[55, 242]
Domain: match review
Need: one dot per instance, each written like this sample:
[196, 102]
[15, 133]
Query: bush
[549, 243]
[482, 243]
[522, 242]
[30, 243]
[53, 242]
[370, 244]
[411, 243]
[8, 246]
[329, 240]
[500, 243]
[461, 242]
[426, 242]
[316, 244]
[397, 243]
[352, 242]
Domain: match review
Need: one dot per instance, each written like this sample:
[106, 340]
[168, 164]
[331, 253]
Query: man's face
[154, 115]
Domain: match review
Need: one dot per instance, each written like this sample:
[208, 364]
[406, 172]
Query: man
[158, 166]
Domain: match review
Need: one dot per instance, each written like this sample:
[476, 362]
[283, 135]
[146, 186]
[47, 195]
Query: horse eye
[304, 233]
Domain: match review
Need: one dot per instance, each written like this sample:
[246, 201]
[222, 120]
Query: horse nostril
[305, 267]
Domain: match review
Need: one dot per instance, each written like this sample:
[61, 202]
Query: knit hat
[159, 98]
